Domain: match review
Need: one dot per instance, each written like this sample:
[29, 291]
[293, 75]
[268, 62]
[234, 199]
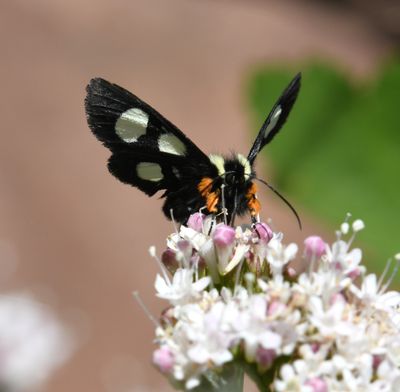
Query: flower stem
[229, 380]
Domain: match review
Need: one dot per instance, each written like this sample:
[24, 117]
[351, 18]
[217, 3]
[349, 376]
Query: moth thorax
[234, 170]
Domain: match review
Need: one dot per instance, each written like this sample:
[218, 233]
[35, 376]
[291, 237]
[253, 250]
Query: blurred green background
[339, 151]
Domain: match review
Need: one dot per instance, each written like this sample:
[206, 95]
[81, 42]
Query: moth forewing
[276, 118]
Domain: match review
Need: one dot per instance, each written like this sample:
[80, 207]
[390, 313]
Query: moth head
[234, 171]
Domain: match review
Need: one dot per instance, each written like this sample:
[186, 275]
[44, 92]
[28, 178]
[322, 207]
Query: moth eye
[171, 144]
[230, 178]
[131, 125]
[149, 171]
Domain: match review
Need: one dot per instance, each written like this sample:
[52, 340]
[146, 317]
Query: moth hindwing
[152, 154]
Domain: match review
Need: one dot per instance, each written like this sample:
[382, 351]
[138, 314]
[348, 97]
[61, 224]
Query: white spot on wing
[149, 171]
[131, 125]
[219, 162]
[171, 144]
[274, 119]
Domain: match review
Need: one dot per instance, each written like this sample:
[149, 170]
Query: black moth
[152, 154]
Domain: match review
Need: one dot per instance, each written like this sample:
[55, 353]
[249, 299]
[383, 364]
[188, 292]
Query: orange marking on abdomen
[204, 187]
[212, 201]
[252, 201]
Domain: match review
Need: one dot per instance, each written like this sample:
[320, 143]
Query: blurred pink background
[73, 235]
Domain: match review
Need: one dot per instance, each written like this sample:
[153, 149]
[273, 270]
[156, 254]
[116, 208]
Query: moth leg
[201, 209]
[211, 227]
[232, 220]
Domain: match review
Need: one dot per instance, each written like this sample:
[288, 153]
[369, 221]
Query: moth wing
[148, 151]
[149, 171]
[276, 118]
[121, 120]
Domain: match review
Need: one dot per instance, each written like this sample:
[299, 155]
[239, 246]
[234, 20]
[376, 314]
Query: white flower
[279, 255]
[340, 256]
[182, 289]
[320, 329]
[238, 256]
[371, 294]
[329, 322]
[252, 327]
[212, 342]
[293, 378]
[32, 343]
[194, 237]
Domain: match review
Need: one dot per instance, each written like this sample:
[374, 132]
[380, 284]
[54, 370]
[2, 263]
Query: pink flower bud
[376, 361]
[163, 359]
[291, 272]
[224, 241]
[337, 297]
[315, 347]
[265, 356]
[275, 307]
[184, 246]
[354, 274]
[314, 246]
[198, 261]
[317, 384]
[224, 235]
[167, 317]
[195, 221]
[264, 232]
[168, 258]
[185, 251]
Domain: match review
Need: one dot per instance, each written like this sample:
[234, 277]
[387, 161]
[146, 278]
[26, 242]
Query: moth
[152, 154]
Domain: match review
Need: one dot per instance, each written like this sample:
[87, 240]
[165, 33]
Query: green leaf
[339, 151]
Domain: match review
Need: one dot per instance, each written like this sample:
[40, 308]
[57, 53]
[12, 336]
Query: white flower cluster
[234, 300]
[32, 343]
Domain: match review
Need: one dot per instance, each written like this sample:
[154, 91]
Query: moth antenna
[284, 200]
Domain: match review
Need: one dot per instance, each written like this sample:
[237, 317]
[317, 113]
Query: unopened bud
[264, 232]
[195, 221]
[317, 384]
[314, 246]
[168, 258]
[224, 235]
[163, 359]
[358, 225]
